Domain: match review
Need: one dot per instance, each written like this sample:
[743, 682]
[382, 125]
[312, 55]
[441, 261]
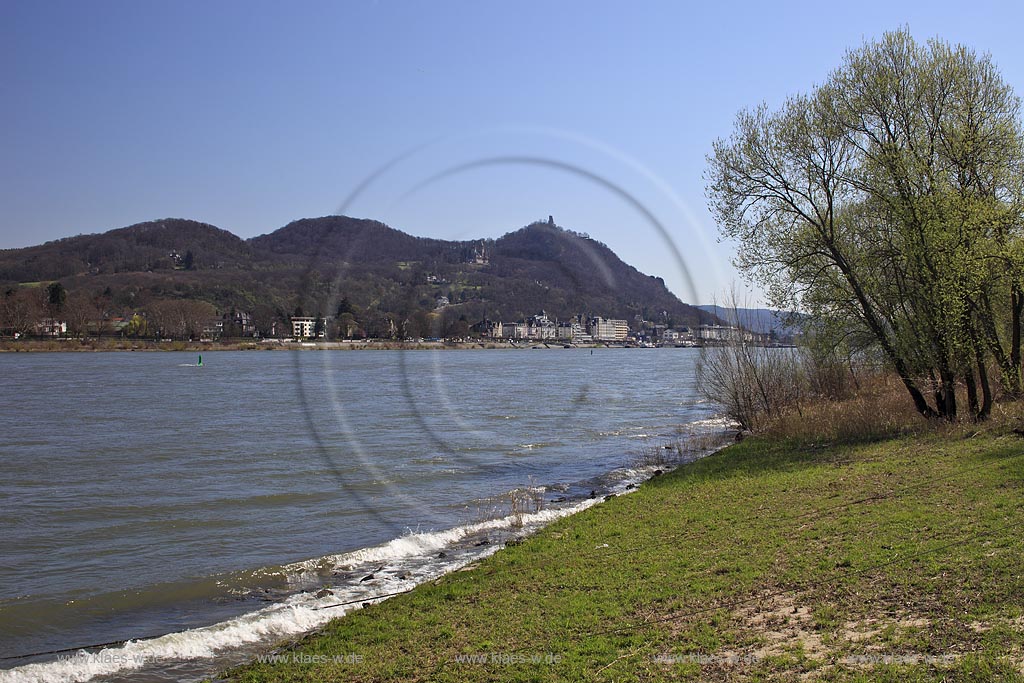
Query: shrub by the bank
[810, 399]
[751, 383]
[879, 410]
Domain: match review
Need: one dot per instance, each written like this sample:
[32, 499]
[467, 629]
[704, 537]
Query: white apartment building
[723, 333]
[303, 326]
[608, 330]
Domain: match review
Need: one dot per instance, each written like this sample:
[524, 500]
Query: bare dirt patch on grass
[782, 625]
[778, 634]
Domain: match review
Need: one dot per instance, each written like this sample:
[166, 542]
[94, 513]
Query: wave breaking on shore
[332, 586]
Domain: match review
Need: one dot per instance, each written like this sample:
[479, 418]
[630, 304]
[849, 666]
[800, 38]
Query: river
[145, 495]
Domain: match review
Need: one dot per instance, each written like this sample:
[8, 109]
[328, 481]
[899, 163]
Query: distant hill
[376, 276]
[137, 248]
[762, 320]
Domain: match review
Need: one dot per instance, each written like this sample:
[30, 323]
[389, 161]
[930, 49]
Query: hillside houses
[542, 328]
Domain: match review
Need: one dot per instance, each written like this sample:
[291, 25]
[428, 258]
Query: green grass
[897, 560]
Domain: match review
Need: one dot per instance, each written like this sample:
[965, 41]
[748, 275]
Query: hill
[142, 247]
[376, 277]
[761, 320]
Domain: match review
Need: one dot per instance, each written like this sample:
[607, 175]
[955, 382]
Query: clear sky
[444, 119]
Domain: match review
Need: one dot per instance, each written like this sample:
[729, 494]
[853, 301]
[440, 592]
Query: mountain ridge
[333, 265]
[760, 320]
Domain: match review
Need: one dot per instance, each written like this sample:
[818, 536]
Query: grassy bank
[893, 560]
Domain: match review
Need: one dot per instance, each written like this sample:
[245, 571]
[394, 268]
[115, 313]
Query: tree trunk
[853, 375]
[986, 390]
[936, 386]
[1016, 309]
[972, 392]
[1010, 376]
[947, 409]
[878, 329]
[915, 394]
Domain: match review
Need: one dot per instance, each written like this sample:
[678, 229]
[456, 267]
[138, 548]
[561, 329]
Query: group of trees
[351, 321]
[25, 310]
[888, 204]
[22, 309]
[179, 318]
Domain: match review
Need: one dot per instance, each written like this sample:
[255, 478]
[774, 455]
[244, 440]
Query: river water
[199, 511]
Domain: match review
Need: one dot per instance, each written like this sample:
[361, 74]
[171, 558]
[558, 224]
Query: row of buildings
[578, 330]
[541, 327]
[598, 329]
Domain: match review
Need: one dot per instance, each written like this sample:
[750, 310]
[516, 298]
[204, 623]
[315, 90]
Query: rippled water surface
[142, 494]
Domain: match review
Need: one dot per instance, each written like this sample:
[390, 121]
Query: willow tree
[887, 201]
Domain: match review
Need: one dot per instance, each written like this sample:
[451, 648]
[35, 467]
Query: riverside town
[578, 331]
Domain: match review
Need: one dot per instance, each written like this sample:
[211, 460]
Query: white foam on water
[714, 422]
[426, 543]
[296, 615]
[304, 612]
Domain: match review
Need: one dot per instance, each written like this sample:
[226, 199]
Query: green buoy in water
[200, 360]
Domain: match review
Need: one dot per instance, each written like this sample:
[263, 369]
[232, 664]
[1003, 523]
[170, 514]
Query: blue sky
[249, 115]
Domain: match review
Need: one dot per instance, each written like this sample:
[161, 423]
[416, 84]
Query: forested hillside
[367, 277]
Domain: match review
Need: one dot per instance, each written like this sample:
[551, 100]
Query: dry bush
[524, 501]
[826, 374]
[1007, 417]
[652, 455]
[518, 502]
[881, 409]
[536, 493]
[752, 383]
[689, 446]
[701, 443]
